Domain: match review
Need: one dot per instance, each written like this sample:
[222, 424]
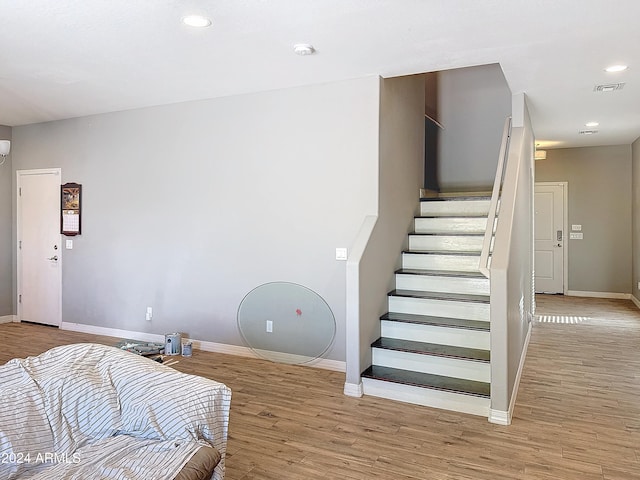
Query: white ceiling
[69, 58]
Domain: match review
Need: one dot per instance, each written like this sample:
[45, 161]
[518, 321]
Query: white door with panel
[549, 237]
[39, 248]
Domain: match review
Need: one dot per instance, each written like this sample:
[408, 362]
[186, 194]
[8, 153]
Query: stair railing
[495, 200]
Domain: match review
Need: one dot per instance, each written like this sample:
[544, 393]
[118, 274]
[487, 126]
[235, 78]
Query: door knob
[559, 245]
[55, 258]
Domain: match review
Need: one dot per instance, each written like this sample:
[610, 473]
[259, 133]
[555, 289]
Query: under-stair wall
[373, 256]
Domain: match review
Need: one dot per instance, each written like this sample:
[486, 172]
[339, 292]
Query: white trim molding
[240, 351]
[353, 389]
[8, 318]
[112, 332]
[635, 301]
[501, 417]
[614, 295]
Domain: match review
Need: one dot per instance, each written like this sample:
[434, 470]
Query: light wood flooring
[577, 414]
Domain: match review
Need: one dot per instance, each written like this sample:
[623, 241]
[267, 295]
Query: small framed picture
[70, 209]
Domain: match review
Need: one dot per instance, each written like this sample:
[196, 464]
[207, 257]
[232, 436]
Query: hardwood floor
[577, 414]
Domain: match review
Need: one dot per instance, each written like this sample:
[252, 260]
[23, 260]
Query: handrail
[495, 198]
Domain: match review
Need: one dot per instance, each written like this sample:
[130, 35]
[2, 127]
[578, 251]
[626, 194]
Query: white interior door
[39, 249]
[549, 237]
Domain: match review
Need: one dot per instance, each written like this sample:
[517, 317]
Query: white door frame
[19, 175]
[565, 227]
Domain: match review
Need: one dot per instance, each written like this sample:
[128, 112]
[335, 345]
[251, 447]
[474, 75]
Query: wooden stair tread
[456, 297]
[436, 321]
[427, 380]
[447, 234]
[433, 349]
[439, 273]
[471, 253]
[452, 196]
[454, 216]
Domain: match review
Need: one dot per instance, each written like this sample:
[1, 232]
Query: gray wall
[600, 199]
[635, 188]
[399, 182]
[188, 207]
[512, 266]
[473, 105]
[6, 249]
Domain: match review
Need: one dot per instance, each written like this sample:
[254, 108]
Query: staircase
[434, 348]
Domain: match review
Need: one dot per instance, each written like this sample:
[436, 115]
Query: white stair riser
[450, 225]
[439, 308]
[431, 261]
[464, 243]
[458, 337]
[455, 207]
[427, 397]
[444, 366]
[443, 284]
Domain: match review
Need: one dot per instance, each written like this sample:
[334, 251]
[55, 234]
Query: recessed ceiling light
[591, 124]
[303, 49]
[616, 68]
[196, 21]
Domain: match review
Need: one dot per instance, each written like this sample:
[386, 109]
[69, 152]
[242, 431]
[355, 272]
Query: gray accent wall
[6, 249]
[600, 199]
[473, 105]
[188, 207]
[635, 209]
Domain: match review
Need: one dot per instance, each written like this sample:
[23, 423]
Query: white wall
[6, 249]
[600, 199]
[188, 207]
[399, 182]
[473, 104]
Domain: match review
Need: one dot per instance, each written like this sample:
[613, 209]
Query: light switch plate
[575, 236]
[68, 244]
[341, 253]
[576, 228]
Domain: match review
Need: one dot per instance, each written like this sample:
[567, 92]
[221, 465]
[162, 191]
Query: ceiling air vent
[587, 132]
[608, 87]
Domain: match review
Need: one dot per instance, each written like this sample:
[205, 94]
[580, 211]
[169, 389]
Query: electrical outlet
[269, 326]
[149, 315]
[341, 253]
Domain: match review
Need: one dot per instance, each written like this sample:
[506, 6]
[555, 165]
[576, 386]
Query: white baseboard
[353, 389]
[112, 332]
[501, 417]
[8, 318]
[326, 364]
[635, 301]
[614, 295]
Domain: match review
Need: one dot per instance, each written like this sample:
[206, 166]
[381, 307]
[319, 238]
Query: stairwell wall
[472, 105]
[6, 249]
[400, 174]
[188, 207]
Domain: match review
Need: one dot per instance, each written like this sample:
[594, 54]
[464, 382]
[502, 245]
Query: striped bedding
[88, 411]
